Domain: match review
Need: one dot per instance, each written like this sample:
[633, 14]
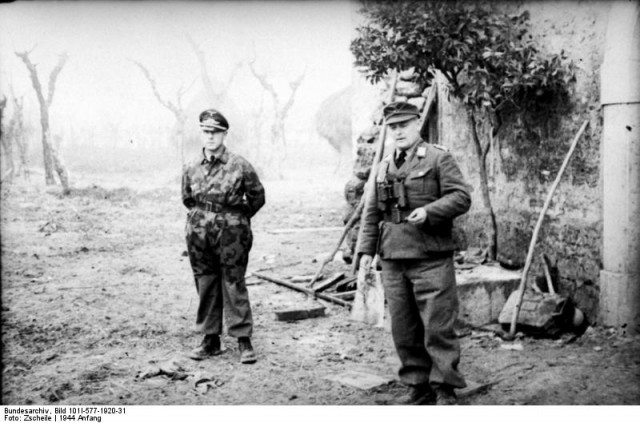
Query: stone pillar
[620, 97]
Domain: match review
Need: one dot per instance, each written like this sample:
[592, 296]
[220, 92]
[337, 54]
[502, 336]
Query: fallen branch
[534, 238]
[303, 290]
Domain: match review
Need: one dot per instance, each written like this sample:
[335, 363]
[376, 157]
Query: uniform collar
[410, 151]
[223, 156]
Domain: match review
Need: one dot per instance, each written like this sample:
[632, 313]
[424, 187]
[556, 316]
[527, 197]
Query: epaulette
[440, 147]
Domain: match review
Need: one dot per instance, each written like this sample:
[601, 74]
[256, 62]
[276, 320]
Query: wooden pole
[534, 238]
[547, 275]
[303, 290]
[369, 187]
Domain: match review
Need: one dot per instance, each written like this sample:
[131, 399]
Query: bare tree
[51, 157]
[281, 108]
[174, 107]
[216, 92]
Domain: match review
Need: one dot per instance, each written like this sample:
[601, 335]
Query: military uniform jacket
[228, 180]
[433, 181]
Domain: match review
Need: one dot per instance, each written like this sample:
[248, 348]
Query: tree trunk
[492, 230]
[18, 137]
[7, 144]
[46, 148]
[54, 161]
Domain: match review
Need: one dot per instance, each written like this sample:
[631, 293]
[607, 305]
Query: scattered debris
[171, 368]
[513, 347]
[541, 314]
[201, 382]
[303, 290]
[360, 380]
[49, 227]
[300, 314]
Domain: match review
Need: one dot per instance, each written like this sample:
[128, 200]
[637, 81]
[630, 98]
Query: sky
[100, 85]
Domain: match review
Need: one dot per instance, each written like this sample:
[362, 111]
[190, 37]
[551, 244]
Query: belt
[219, 208]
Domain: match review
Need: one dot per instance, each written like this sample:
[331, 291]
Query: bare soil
[97, 296]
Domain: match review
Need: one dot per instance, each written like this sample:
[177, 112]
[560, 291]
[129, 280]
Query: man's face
[212, 140]
[406, 133]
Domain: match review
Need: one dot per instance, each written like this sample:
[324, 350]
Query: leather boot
[247, 355]
[209, 347]
[421, 395]
[445, 395]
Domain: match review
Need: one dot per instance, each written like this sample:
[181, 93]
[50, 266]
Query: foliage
[488, 57]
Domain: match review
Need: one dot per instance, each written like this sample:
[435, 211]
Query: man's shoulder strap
[440, 147]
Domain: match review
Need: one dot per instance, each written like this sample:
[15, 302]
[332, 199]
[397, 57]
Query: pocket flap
[419, 174]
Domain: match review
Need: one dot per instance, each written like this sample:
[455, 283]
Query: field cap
[399, 111]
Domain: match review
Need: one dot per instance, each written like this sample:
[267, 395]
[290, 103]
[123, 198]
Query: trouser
[423, 306]
[218, 248]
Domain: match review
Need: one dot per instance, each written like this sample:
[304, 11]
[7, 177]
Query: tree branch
[33, 73]
[264, 82]
[202, 61]
[166, 103]
[294, 85]
[53, 76]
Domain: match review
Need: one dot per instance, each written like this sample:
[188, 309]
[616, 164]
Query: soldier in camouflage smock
[222, 192]
[419, 191]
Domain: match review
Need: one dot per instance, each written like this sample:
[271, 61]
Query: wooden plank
[299, 314]
[302, 278]
[347, 295]
[330, 282]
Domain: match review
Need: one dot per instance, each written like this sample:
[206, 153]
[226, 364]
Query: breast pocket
[423, 181]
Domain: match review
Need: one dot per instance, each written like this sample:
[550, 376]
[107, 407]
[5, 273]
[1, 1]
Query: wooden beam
[303, 290]
[299, 314]
[330, 282]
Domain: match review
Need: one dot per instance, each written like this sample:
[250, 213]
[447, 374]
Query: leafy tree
[491, 62]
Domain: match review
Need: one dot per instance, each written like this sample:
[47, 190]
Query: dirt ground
[97, 295]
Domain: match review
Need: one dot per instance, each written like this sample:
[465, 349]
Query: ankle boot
[247, 355]
[209, 347]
